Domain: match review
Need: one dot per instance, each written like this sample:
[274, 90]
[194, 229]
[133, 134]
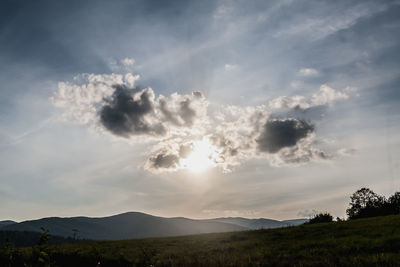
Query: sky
[274, 109]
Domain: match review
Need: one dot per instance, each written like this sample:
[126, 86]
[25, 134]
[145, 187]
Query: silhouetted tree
[321, 218]
[394, 202]
[365, 203]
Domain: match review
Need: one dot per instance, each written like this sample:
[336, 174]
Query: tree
[394, 202]
[321, 218]
[365, 203]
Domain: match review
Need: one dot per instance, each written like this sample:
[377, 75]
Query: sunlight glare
[200, 158]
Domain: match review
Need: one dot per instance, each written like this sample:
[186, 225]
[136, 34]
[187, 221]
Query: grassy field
[363, 242]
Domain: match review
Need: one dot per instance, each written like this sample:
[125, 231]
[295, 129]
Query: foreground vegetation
[362, 242]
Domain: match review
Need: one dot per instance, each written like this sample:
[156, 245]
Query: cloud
[163, 161]
[307, 72]
[229, 67]
[303, 152]
[122, 65]
[182, 131]
[289, 102]
[130, 112]
[181, 110]
[318, 26]
[113, 103]
[326, 96]
[127, 62]
[234, 133]
[79, 99]
[278, 134]
[347, 152]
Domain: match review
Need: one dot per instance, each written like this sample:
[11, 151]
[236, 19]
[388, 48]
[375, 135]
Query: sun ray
[200, 159]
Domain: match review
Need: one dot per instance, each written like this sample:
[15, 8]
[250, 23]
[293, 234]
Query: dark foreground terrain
[363, 242]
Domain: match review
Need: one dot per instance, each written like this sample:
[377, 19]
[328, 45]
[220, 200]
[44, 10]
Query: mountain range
[133, 225]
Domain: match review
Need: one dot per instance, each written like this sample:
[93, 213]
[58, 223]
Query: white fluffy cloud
[325, 96]
[127, 62]
[112, 102]
[183, 133]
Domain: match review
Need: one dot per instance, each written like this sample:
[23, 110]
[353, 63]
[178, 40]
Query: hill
[139, 225]
[6, 223]
[362, 242]
[122, 226]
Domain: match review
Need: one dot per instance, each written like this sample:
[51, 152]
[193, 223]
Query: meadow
[362, 242]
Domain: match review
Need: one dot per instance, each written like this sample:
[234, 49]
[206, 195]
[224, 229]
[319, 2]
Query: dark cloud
[124, 115]
[278, 134]
[163, 160]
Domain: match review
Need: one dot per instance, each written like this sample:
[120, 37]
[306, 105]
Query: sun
[200, 159]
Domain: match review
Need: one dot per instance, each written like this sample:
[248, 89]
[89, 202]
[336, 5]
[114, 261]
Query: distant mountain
[132, 225]
[259, 223]
[123, 226]
[5, 223]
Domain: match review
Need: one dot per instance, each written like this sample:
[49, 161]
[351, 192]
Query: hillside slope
[363, 242]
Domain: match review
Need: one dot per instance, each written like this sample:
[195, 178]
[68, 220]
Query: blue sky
[324, 74]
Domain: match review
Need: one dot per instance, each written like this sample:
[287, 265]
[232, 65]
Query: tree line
[365, 203]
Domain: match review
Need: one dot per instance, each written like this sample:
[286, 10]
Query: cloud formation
[113, 103]
[308, 72]
[278, 134]
[325, 96]
[163, 161]
[182, 131]
[129, 112]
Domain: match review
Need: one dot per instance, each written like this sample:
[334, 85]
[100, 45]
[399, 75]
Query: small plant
[321, 218]
[40, 254]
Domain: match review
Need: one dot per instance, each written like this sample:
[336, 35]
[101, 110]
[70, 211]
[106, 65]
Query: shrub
[321, 218]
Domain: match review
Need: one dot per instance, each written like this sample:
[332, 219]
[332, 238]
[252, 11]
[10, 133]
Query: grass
[363, 242]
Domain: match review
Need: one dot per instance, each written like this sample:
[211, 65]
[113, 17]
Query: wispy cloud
[307, 72]
[317, 27]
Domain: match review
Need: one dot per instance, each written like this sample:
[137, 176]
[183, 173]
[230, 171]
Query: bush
[321, 218]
